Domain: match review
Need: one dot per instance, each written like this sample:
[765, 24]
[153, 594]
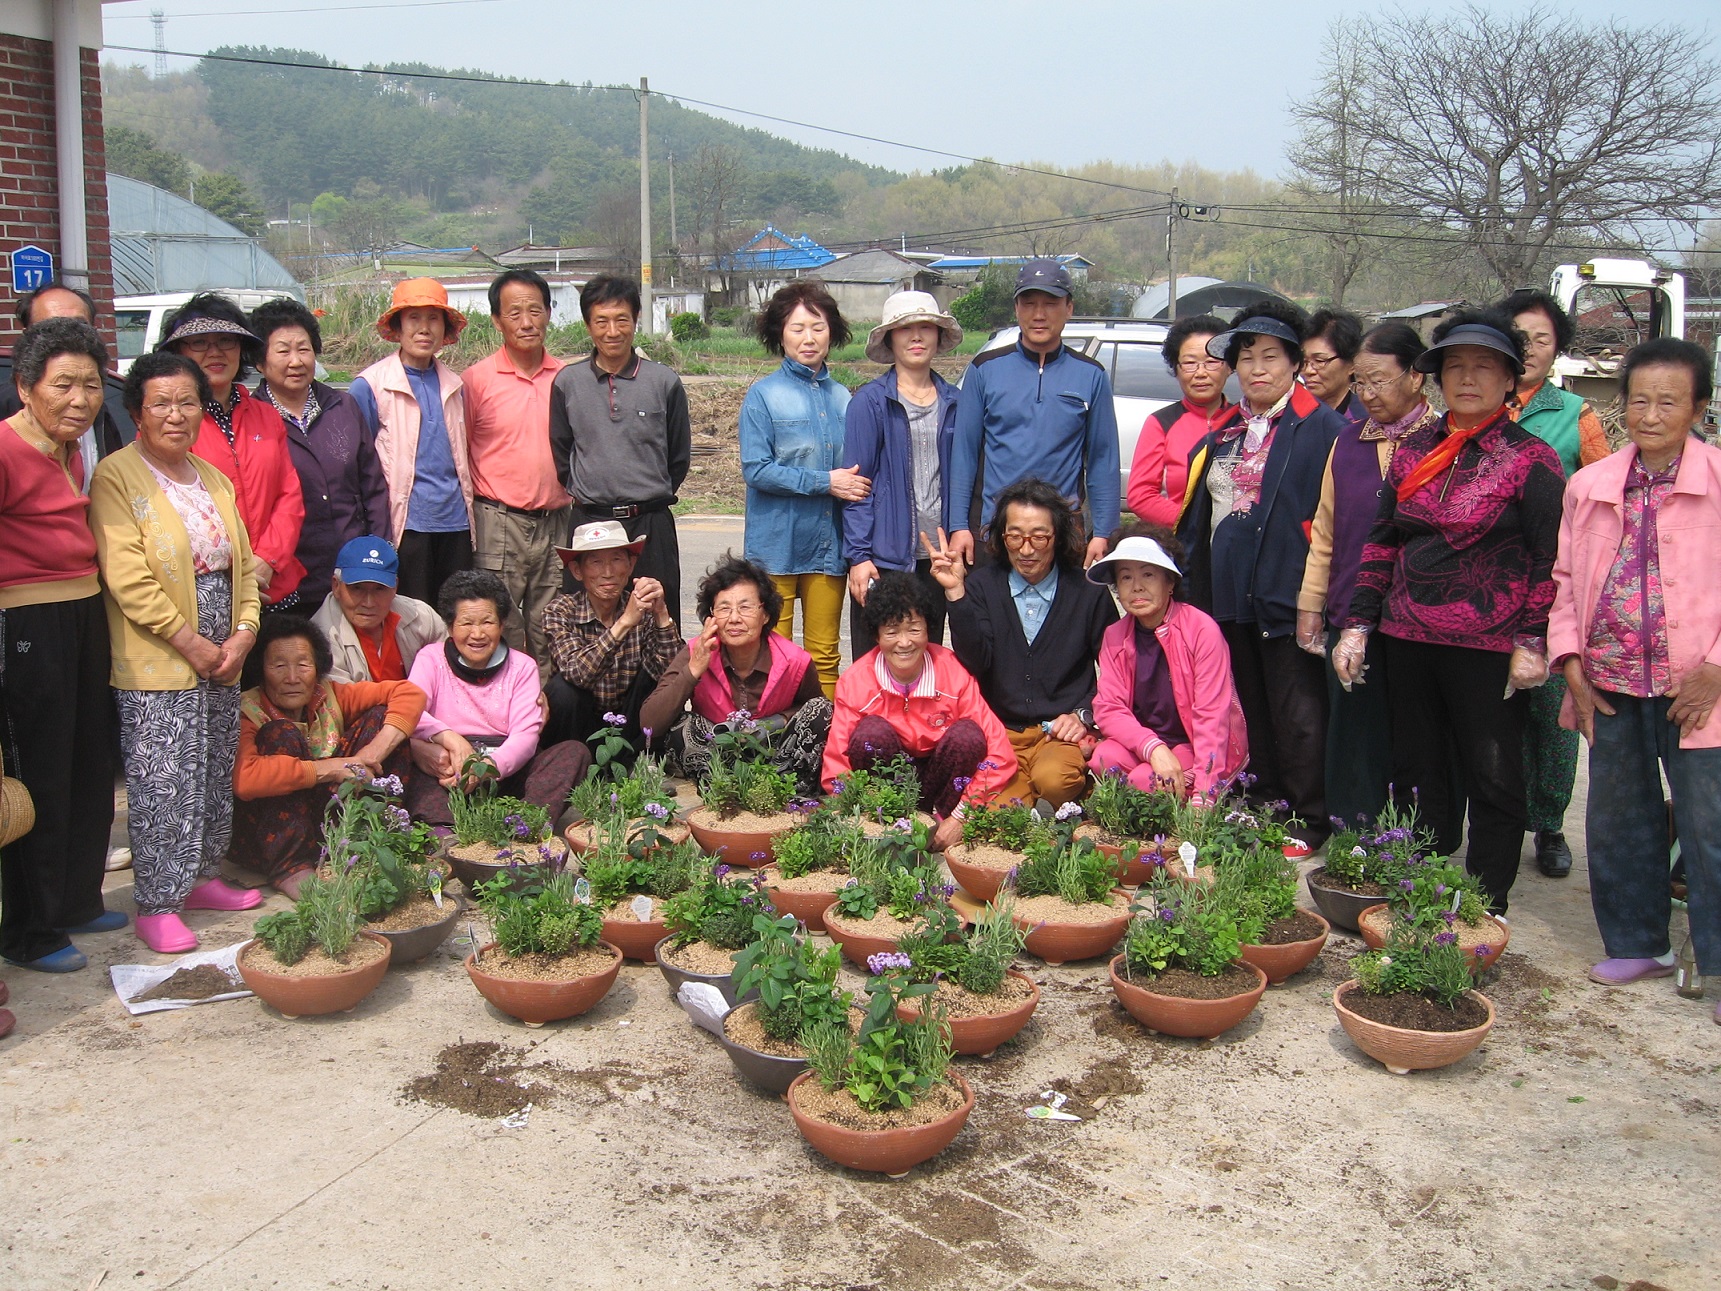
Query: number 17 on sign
[32, 269]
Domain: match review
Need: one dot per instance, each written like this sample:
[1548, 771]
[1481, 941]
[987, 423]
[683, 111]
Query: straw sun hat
[907, 307]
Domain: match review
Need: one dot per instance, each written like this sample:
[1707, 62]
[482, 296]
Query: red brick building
[36, 207]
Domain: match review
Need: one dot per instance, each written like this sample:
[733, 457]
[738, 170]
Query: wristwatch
[1086, 717]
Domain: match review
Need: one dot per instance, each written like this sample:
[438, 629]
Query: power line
[1452, 240]
[342, 8]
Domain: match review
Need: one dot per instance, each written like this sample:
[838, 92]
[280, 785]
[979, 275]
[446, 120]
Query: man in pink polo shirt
[519, 507]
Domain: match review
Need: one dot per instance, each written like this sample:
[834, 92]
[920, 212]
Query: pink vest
[397, 417]
[713, 700]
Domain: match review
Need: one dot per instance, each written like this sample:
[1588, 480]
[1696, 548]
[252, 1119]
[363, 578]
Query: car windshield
[1140, 373]
[131, 330]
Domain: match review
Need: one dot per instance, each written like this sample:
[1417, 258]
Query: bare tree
[714, 189]
[1523, 132]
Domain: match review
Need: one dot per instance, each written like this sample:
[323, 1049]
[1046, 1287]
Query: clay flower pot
[1058, 943]
[977, 1037]
[980, 881]
[1288, 958]
[412, 944]
[1402, 1051]
[578, 836]
[857, 947]
[637, 940]
[1340, 905]
[676, 976]
[1481, 944]
[890, 1152]
[1174, 1015]
[1132, 870]
[808, 907]
[739, 847]
[536, 1003]
[313, 996]
[522, 870]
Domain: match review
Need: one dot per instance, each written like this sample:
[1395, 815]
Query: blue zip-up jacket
[1054, 421]
[791, 441]
[883, 527]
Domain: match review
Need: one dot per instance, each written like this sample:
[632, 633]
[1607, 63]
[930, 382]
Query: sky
[1129, 81]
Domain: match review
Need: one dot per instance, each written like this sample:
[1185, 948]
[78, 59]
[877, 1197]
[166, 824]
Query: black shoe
[1553, 857]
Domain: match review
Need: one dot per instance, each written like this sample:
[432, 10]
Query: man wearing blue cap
[374, 633]
[1035, 409]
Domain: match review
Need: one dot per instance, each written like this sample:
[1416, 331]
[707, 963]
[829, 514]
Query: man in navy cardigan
[1038, 681]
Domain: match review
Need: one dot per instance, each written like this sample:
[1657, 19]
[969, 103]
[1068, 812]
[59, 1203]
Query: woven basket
[17, 811]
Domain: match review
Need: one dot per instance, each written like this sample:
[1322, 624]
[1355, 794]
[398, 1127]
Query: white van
[138, 319]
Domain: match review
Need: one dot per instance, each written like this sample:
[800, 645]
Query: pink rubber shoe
[166, 934]
[214, 894]
[1617, 972]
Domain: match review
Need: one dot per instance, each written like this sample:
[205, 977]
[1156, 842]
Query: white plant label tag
[641, 907]
[436, 887]
[1186, 850]
[582, 891]
[1457, 900]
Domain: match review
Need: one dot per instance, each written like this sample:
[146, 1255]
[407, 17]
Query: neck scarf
[322, 719]
[476, 676]
[1255, 429]
[1397, 430]
[1443, 454]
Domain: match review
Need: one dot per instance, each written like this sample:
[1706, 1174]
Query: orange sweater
[258, 775]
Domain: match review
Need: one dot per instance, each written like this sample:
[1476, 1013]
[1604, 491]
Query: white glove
[1527, 670]
[1348, 657]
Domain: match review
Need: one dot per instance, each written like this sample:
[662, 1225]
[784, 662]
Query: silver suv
[1129, 349]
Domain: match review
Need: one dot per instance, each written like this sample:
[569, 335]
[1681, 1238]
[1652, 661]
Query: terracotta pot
[978, 1037]
[1489, 936]
[676, 976]
[1287, 958]
[309, 997]
[1173, 1015]
[766, 1070]
[857, 947]
[891, 1152]
[1340, 906]
[808, 907]
[1132, 871]
[1058, 943]
[981, 881]
[738, 847]
[1401, 1051]
[536, 1003]
[412, 944]
[637, 940]
[578, 835]
[472, 873]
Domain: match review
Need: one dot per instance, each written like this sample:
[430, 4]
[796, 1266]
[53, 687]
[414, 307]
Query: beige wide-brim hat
[599, 535]
[911, 307]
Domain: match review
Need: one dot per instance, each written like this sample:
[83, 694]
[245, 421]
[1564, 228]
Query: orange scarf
[1443, 454]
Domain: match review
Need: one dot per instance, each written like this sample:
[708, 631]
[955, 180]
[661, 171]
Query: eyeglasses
[1015, 539]
[1317, 361]
[1366, 388]
[742, 610]
[203, 344]
[1200, 365]
[164, 411]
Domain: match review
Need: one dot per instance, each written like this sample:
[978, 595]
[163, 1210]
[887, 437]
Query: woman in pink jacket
[1636, 626]
[1166, 707]
[909, 698]
[482, 697]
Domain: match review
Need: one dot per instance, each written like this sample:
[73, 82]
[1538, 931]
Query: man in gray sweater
[620, 433]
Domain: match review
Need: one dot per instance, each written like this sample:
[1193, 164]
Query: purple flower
[721, 870]
[647, 733]
[961, 782]
[758, 856]
[949, 890]
[1170, 916]
[885, 961]
[1450, 916]
[616, 719]
[1068, 810]
[389, 784]
[398, 818]
[1481, 952]
[1409, 885]
[1445, 938]
[657, 811]
[987, 764]
[836, 786]
[747, 901]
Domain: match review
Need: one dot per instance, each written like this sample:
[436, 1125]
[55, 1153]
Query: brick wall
[29, 174]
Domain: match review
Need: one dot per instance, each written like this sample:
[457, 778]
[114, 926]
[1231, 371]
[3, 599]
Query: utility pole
[674, 237]
[1171, 258]
[645, 321]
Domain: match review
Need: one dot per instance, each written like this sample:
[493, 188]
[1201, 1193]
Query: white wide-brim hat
[1146, 550]
[599, 535]
[907, 307]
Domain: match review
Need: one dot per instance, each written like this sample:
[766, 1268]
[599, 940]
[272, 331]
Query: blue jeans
[1628, 839]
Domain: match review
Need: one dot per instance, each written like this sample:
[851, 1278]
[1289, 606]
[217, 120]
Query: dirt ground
[222, 1146]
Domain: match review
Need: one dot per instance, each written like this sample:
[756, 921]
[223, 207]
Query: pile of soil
[744, 1027]
[700, 957]
[883, 925]
[201, 983]
[1050, 909]
[1186, 985]
[419, 912]
[1416, 1012]
[988, 856]
[814, 881]
[960, 1002]
[1301, 926]
[478, 1079]
[622, 911]
[317, 962]
[523, 853]
[1363, 889]
[546, 968]
[743, 822]
[838, 1107]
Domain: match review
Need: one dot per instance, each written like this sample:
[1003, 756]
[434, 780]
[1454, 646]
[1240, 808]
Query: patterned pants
[956, 756]
[797, 748]
[1550, 757]
[281, 835]
[179, 747]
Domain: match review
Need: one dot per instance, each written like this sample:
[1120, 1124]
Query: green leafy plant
[893, 872]
[615, 792]
[718, 908]
[978, 961]
[1416, 962]
[1005, 825]
[542, 918]
[1189, 926]
[647, 864]
[483, 816]
[890, 1063]
[855, 900]
[1126, 813]
[824, 841]
[1073, 870]
[367, 832]
[887, 792]
[326, 915]
[1379, 854]
[795, 981]
[742, 776]
[1263, 888]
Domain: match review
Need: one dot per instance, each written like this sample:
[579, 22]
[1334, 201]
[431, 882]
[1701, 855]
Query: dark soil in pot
[1416, 1012]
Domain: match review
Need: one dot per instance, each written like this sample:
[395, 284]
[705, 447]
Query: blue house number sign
[32, 268]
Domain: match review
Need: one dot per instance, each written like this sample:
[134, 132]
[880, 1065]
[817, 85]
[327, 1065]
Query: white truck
[1614, 305]
[138, 319]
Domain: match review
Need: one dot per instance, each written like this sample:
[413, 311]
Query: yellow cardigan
[147, 576]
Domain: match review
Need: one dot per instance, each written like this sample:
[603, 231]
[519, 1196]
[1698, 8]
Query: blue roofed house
[749, 274]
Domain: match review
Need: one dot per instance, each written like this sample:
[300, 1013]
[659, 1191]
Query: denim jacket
[791, 441]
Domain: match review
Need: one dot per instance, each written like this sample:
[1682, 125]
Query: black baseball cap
[1049, 276]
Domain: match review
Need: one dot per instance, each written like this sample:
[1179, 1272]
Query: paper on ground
[135, 979]
[703, 1003]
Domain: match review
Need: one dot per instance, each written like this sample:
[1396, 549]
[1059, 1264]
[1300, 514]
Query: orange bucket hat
[420, 293]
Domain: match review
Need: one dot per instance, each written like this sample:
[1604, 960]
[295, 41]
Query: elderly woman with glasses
[737, 665]
[243, 438]
[1329, 361]
[1359, 720]
[1457, 577]
[1159, 472]
[1636, 627]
